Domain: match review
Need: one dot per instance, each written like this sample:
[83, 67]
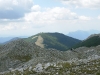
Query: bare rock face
[27, 58]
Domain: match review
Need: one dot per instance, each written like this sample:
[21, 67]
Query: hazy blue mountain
[82, 34]
[7, 39]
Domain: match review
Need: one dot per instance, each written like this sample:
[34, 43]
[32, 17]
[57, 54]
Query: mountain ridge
[92, 40]
[19, 56]
[54, 40]
[24, 57]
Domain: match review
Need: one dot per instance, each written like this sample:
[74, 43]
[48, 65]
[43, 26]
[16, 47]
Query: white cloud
[50, 15]
[24, 29]
[35, 8]
[53, 15]
[14, 9]
[15, 3]
[83, 3]
[10, 26]
[99, 17]
[84, 18]
[38, 19]
[29, 28]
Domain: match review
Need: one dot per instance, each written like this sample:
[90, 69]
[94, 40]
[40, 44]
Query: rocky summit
[19, 57]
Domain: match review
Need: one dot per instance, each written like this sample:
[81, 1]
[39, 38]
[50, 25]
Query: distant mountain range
[82, 34]
[57, 41]
[53, 40]
[5, 39]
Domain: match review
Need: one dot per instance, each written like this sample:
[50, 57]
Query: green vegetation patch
[52, 42]
[22, 58]
[93, 41]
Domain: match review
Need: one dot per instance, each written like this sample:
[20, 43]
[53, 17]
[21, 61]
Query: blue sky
[29, 17]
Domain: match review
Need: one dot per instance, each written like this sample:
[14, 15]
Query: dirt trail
[39, 42]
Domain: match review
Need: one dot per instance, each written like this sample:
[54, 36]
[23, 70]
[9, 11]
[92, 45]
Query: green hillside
[31, 39]
[92, 41]
[55, 40]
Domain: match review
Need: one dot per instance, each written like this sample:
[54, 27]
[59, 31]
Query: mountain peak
[55, 40]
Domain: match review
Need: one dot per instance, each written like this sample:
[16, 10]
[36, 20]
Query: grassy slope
[58, 41]
[93, 41]
[29, 39]
[52, 42]
[55, 40]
